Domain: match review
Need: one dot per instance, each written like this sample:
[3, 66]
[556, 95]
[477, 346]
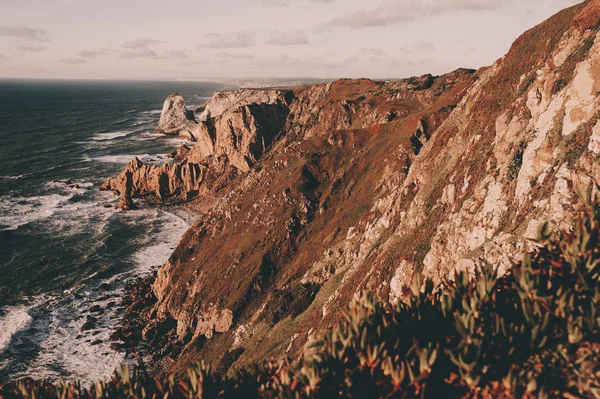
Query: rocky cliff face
[364, 183]
[242, 133]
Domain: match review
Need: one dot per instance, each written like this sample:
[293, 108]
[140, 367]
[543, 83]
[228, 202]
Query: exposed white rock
[224, 101]
[594, 144]
[175, 118]
[402, 274]
[214, 320]
[582, 93]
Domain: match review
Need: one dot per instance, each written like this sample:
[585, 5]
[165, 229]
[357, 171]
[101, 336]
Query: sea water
[65, 256]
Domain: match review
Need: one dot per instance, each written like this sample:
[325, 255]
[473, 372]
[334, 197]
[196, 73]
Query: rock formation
[355, 185]
[239, 136]
[175, 118]
[227, 100]
[140, 180]
[242, 134]
[180, 181]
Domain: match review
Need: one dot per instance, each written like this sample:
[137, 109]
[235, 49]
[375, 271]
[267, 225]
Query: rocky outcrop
[368, 183]
[141, 180]
[245, 124]
[126, 203]
[242, 134]
[237, 138]
[224, 101]
[175, 118]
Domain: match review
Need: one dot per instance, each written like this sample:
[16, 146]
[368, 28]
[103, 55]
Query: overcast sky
[151, 39]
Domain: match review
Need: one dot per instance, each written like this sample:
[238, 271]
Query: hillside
[311, 197]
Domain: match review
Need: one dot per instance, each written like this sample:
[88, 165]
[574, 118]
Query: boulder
[175, 117]
[126, 203]
[180, 154]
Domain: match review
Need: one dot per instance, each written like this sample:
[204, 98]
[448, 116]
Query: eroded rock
[175, 118]
[139, 180]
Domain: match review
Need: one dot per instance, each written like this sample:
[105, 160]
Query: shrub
[517, 161]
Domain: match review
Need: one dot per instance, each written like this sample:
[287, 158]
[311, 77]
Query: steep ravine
[328, 191]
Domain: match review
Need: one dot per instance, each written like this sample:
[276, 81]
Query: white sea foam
[111, 135]
[87, 355]
[146, 136]
[169, 229]
[16, 319]
[119, 159]
[80, 217]
[15, 177]
[69, 186]
[18, 211]
[84, 356]
[58, 213]
[152, 112]
[178, 141]
[142, 121]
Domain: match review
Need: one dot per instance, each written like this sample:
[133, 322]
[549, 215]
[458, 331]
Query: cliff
[352, 186]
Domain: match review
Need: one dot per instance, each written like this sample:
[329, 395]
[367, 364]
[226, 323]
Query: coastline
[66, 251]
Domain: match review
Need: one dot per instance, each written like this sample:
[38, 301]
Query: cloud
[374, 52]
[285, 62]
[236, 56]
[30, 47]
[138, 53]
[351, 60]
[287, 3]
[24, 32]
[189, 62]
[417, 47]
[144, 47]
[393, 13]
[406, 62]
[140, 48]
[73, 61]
[173, 55]
[92, 53]
[229, 40]
[141, 43]
[280, 3]
[292, 38]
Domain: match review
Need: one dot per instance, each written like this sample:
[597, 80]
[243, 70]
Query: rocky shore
[137, 303]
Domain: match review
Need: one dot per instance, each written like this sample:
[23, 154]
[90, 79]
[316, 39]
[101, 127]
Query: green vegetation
[531, 333]
[528, 82]
[517, 161]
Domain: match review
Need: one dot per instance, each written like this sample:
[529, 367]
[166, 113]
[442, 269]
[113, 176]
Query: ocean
[65, 257]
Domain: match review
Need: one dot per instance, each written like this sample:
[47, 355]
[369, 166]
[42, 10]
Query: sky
[192, 39]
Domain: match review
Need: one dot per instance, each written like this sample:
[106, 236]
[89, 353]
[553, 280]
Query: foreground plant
[531, 333]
